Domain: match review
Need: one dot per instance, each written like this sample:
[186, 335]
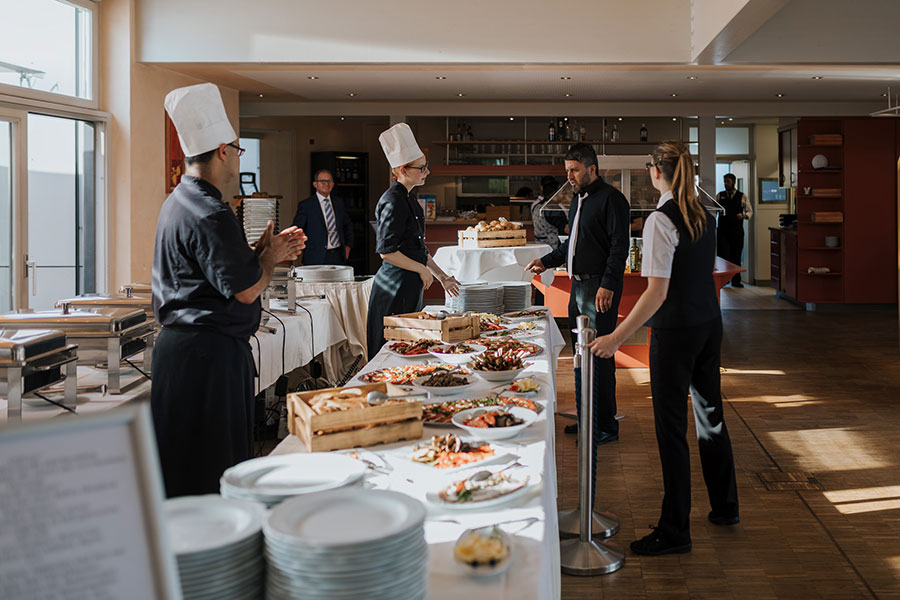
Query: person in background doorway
[326, 223]
[730, 241]
[408, 268]
[681, 307]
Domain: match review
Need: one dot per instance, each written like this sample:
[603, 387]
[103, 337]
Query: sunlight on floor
[829, 449]
[727, 371]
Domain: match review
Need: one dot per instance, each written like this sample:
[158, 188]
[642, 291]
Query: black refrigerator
[351, 183]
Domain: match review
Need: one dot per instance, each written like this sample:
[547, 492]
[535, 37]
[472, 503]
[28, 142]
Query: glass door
[6, 214]
[61, 225]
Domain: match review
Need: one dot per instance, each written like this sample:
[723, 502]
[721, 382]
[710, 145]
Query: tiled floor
[815, 392]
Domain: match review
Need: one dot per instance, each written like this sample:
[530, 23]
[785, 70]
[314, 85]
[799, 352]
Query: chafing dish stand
[33, 359]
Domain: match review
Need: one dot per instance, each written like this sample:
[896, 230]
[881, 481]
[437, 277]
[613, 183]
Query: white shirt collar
[321, 197]
[665, 198]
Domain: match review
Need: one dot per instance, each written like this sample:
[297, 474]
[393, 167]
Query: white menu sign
[80, 511]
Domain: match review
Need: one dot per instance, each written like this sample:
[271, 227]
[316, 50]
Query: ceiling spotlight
[568, 95]
[730, 119]
[620, 118]
[817, 77]
[673, 94]
[884, 94]
[260, 95]
[674, 119]
[352, 94]
[565, 78]
[692, 77]
[342, 118]
[312, 77]
[779, 95]
[441, 77]
[460, 94]
[723, 122]
[512, 118]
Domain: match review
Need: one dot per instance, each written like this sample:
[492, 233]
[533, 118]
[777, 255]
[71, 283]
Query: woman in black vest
[681, 307]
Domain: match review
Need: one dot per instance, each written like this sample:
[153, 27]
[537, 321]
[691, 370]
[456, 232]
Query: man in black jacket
[595, 255]
[326, 223]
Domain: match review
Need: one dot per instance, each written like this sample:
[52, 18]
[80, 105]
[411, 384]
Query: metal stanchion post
[583, 555]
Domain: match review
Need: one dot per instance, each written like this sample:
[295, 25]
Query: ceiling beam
[753, 15]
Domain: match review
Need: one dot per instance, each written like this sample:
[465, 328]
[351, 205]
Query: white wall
[467, 31]
[765, 144]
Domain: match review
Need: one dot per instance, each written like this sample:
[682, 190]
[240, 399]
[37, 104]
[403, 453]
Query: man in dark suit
[595, 255]
[326, 224]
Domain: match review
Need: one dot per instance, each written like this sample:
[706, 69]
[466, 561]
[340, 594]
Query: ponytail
[677, 168]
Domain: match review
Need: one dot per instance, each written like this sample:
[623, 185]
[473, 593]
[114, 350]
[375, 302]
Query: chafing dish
[281, 287]
[127, 299]
[141, 289]
[105, 336]
[33, 359]
[324, 273]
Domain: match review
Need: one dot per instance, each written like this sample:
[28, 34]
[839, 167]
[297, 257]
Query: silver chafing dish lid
[106, 300]
[21, 345]
[98, 320]
[143, 289]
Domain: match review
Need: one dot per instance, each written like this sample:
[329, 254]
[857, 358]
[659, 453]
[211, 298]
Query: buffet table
[535, 567]
[350, 301]
[301, 346]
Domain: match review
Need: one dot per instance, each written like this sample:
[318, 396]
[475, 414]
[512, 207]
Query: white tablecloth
[535, 570]
[489, 264]
[350, 301]
[308, 335]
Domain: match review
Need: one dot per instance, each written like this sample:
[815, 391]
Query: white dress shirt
[573, 234]
[660, 241]
[332, 232]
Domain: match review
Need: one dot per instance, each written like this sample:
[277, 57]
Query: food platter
[441, 413]
[466, 419]
[406, 373]
[448, 454]
[443, 390]
[520, 484]
[419, 349]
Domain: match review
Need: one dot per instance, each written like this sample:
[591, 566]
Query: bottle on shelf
[576, 133]
[560, 130]
[582, 132]
[469, 135]
[643, 132]
[605, 132]
[551, 132]
[615, 133]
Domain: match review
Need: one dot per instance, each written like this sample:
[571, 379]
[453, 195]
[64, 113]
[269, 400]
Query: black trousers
[730, 246]
[582, 301]
[395, 291]
[335, 256]
[680, 360]
[202, 403]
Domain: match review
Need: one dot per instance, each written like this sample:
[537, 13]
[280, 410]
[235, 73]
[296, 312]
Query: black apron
[202, 403]
[395, 291]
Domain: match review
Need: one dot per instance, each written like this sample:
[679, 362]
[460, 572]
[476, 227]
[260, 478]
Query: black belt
[338, 249]
[585, 277]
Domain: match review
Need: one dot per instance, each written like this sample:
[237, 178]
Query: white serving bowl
[495, 433]
[457, 359]
[499, 376]
[443, 391]
[486, 570]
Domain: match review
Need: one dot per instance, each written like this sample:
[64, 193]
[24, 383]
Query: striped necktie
[333, 240]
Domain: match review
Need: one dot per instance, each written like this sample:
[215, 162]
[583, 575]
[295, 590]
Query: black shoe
[723, 520]
[573, 428]
[605, 438]
[656, 544]
[738, 284]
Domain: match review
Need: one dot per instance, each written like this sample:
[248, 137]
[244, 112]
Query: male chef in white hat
[206, 286]
[408, 268]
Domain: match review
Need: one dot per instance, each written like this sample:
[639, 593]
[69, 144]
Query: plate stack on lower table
[218, 545]
[480, 297]
[345, 545]
[516, 295]
[273, 479]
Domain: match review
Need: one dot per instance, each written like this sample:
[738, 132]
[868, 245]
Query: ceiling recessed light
[674, 119]
[565, 77]
[512, 118]
[441, 77]
[692, 77]
[568, 95]
[312, 77]
[260, 95]
[620, 118]
[723, 122]
[460, 94]
[342, 118]
[884, 94]
[673, 94]
[817, 77]
[352, 94]
[779, 95]
[730, 119]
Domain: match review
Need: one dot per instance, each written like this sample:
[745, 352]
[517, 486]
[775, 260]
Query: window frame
[14, 91]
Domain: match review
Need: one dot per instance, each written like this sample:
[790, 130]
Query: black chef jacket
[201, 261]
[603, 230]
[400, 224]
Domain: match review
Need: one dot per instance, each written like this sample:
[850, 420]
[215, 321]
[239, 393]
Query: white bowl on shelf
[456, 359]
[495, 433]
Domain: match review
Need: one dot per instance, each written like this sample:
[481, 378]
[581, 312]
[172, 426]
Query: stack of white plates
[218, 545]
[256, 213]
[516, 295]
[484, 297]
[272, 479]
[345, 545]
[324, 273]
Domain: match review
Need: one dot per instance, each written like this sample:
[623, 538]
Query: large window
[6, 303]
[47, 46]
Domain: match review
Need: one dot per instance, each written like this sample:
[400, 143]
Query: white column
[706, 137]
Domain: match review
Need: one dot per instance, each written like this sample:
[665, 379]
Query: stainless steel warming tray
[282, 287]
[33, 359]
[141, 289]
[105, 336]
[123, 300]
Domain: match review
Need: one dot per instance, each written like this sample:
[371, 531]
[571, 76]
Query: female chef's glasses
[239, 149]
[423, 168]
[650, 165]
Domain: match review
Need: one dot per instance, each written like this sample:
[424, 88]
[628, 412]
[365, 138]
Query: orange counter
[635, 353]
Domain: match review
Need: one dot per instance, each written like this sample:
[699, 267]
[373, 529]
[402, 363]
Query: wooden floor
[816, 394]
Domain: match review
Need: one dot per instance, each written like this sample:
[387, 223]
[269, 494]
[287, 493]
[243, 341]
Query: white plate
[501, 376]
[292, 474]
[407, 356]
[512, 319]
[482, 570]
[443, 391]
[495, 433]
[534, 480]
[401, 459]
[457, 359]
[202, 523]
[344, 517]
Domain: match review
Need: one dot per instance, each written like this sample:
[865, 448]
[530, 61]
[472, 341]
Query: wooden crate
[409, 328]
[354, 428]
[471, 238]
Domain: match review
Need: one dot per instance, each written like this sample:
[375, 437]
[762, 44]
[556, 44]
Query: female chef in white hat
[407, 269]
